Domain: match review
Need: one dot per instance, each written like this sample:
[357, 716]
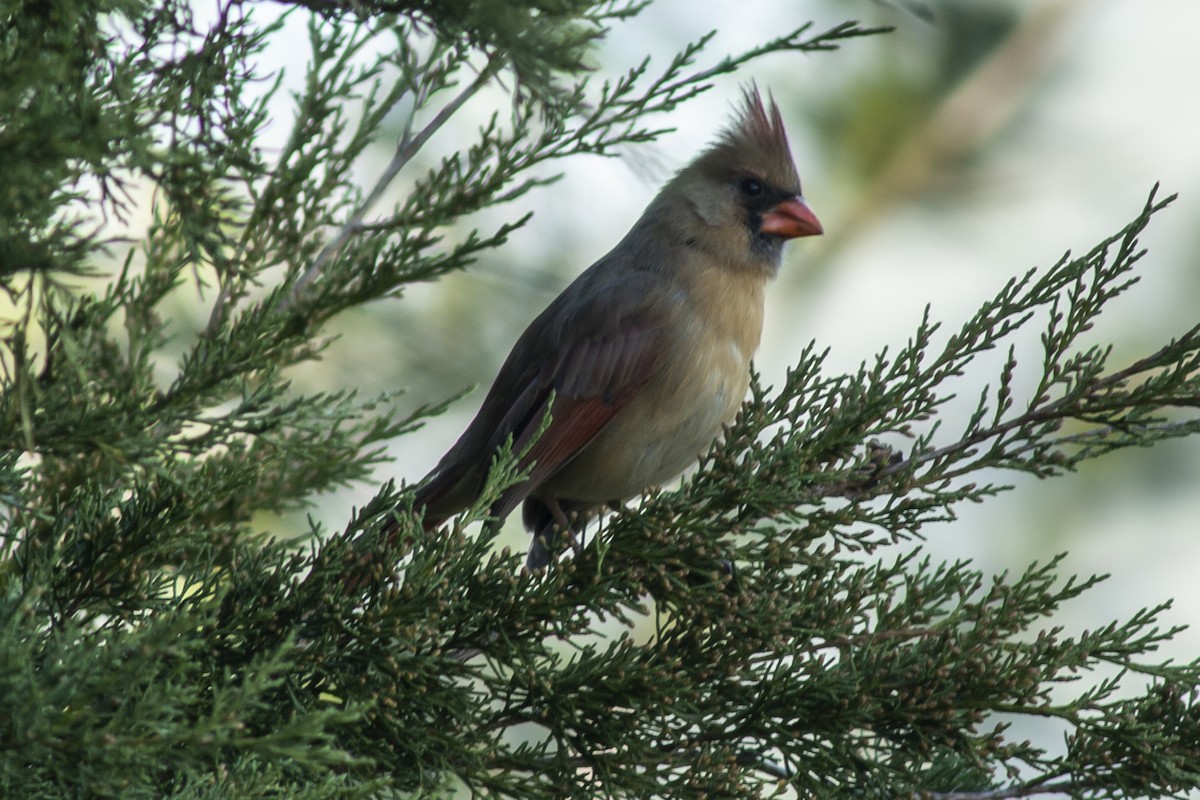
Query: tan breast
[681, 410]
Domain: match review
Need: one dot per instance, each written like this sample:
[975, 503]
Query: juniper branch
[406, 148]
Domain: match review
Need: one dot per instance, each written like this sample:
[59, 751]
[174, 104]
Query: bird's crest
[756, 140]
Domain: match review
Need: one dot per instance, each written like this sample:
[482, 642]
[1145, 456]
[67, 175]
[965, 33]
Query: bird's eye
[751, 187]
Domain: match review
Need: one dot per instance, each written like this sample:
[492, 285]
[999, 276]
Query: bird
[644, 358]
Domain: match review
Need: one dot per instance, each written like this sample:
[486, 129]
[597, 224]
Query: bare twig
[217, 317]
[1017, 790]
[408, 146]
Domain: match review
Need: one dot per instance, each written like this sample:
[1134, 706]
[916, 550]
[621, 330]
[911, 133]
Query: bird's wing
[582, 360]
[594, 372]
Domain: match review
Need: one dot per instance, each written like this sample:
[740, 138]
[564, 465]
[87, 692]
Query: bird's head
[741, 196]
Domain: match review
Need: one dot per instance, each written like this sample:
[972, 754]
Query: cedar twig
[408, 146]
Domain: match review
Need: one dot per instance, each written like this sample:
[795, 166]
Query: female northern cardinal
[646, 355]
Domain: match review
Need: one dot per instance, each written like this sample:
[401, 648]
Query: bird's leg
[564, 524]
[545, 518]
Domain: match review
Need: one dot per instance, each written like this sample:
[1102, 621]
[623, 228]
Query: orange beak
[790, 219]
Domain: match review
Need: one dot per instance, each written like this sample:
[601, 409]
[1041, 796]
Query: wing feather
[591, 352]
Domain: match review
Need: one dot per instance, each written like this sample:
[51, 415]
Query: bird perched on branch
[644, 358]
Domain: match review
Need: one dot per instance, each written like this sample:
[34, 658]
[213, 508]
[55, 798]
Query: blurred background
[976, 141]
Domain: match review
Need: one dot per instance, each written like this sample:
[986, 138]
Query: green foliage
[766, 626]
